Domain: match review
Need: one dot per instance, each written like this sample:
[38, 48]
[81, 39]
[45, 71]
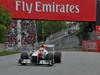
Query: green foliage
[4, 20]
[8, 53]
[4, 16]
[46, 28]
[85, 27]
[83, 30]
[2, 33]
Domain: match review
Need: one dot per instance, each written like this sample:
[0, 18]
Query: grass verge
[8, 53]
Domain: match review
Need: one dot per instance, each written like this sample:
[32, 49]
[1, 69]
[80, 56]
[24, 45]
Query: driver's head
[42, 48]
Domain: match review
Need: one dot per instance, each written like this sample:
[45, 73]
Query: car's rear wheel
[57, 57]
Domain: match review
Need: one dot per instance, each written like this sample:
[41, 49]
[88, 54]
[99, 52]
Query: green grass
[8, 53]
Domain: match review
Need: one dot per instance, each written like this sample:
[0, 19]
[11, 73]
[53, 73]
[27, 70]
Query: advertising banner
[98, 30]
[70, 10]
[91, 45]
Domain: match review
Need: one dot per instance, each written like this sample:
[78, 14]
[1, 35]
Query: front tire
[23, 64]
[50, 59]
[23, 56]
[51, 63]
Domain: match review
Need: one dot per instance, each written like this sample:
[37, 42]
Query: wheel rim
[50, 62]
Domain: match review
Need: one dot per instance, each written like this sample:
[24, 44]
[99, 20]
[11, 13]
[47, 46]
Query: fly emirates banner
[70, 10]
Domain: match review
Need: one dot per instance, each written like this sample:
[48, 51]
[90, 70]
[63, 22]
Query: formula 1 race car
[37, 57]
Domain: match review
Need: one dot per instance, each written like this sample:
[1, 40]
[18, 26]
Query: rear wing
[50, 46]
[47, 45]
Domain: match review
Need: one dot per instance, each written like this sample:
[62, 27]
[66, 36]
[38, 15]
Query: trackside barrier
[91, 45]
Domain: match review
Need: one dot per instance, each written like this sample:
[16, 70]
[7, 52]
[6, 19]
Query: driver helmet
[41, 48]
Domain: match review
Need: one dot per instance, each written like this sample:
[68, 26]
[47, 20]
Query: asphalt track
[73, 63]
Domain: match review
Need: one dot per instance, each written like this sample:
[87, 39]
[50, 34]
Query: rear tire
[57, 57]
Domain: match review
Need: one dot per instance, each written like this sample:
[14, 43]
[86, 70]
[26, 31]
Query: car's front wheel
[23, 56]
[50, 59]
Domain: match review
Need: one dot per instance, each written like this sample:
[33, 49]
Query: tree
[46, 28]
[2, 33]
[4, 20]
[85, 27]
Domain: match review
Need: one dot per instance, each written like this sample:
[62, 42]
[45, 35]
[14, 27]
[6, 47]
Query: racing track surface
[73, 63]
